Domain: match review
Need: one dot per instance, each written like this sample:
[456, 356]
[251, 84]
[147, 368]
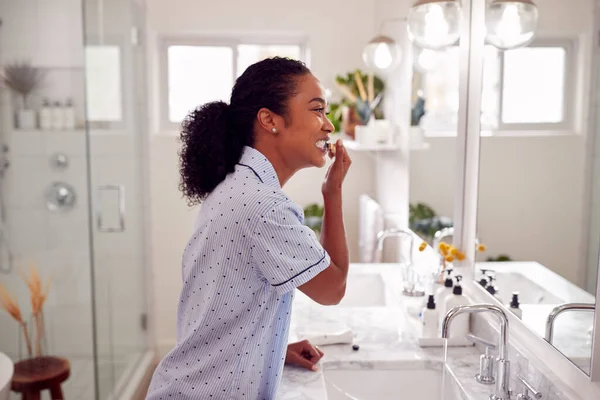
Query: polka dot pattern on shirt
[248, 252]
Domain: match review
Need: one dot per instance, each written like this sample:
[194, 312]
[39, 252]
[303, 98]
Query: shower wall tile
[24, 182]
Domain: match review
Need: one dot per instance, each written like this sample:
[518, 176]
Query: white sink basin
[529, 292]
[364, 290]
[384, 384]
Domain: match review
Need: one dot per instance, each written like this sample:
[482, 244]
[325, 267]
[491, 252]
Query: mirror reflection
[539, 178]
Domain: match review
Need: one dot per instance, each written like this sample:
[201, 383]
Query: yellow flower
[449, 258]
[423, 246]
[460, 256]
[453, 250]
[481, 248]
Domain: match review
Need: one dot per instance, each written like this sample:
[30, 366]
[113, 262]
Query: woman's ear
[267, 120]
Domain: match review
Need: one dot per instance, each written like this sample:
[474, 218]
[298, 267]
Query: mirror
[434, 122]
[539, 178]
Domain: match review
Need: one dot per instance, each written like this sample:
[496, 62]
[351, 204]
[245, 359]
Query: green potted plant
[424, 221]
[313, 217]
[361, 101]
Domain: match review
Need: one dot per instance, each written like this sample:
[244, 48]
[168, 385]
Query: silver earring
[274, 130]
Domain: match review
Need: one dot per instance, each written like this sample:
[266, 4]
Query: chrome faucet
[410, 281]
[444, 233]
[559, 310]
[381, 236]
[502, 390]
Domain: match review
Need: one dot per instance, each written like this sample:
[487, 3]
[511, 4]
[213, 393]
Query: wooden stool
[36, 374]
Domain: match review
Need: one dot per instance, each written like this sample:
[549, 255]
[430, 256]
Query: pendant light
[381, 53]
[511, 24]
[434, 24]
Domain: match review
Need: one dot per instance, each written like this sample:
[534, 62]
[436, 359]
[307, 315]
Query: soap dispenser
[460, 325]
[442, 293]
[514, 305]
[430, 319]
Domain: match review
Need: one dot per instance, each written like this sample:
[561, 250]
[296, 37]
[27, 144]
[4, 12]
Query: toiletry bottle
[460, 324]
[69, 115]
[45, 115]
[514, 305]
[442, 293]
[57, 116]
[430, 319]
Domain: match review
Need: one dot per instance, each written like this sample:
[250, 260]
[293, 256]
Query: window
[534, 80]
[103, 84]
[524, 89]
[197, 72]
[197, 75]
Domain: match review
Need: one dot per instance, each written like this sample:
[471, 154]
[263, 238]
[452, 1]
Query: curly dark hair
[213, 136]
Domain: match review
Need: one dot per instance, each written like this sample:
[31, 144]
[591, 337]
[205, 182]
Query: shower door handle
[119, 192]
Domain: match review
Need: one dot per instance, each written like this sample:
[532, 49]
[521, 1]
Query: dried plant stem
[27, 339]
[38, 349]
[41, 327]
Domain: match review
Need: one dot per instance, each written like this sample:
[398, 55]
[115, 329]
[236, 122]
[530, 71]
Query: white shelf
[77, 131]
[356, 146]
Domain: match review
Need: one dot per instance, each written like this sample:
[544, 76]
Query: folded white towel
[327, 334]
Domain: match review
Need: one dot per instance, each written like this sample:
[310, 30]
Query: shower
[71, 190]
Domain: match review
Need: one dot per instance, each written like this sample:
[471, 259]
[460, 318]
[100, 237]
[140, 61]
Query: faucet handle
[486, 361]
[527, 389]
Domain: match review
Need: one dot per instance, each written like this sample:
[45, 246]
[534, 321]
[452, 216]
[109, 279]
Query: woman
[250, 249]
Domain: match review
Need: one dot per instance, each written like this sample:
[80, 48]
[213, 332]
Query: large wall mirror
[539, 176]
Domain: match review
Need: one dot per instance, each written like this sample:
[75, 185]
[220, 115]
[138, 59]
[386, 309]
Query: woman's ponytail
[209, 150]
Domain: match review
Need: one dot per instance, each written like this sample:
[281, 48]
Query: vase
[350, 120]
[37, 333]
[26, 119]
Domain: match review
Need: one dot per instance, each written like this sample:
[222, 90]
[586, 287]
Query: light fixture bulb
[434, 24]
[511, 24]
[382, 53]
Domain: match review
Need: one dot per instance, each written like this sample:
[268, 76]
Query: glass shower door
[116, 119]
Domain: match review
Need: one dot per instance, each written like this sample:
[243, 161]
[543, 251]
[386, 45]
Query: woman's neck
[282, 169]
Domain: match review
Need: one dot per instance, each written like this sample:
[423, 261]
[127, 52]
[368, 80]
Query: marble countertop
[388, 339]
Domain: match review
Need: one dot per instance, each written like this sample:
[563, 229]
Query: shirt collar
[260, 165]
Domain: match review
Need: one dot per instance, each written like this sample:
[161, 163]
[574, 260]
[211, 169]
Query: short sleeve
[284, 251]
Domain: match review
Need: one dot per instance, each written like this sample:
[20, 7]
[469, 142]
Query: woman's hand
[337, 171]
[303, 354]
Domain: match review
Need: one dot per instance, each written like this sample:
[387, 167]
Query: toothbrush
[330, 147]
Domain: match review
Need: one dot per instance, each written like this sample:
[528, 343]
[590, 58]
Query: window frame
[214, 41]
[571, 94]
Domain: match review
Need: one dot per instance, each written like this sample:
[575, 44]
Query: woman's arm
[329, 287]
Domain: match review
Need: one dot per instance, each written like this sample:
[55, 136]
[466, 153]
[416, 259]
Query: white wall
[531, 188]
[336, 32]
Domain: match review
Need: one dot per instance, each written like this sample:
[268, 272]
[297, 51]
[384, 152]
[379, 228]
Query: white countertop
[387, 337]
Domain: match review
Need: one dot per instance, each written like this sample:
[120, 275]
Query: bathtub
[6, 373]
